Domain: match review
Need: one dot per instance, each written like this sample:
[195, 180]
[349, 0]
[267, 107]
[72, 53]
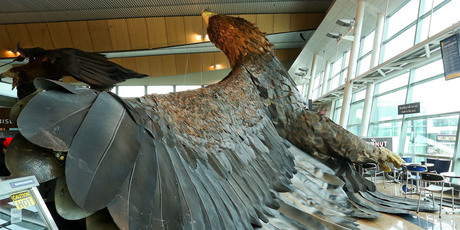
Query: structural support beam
[352, 65]
[312, 76]
[370, 85]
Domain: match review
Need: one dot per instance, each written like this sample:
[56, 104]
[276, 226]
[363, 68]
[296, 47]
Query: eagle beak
[206, 14]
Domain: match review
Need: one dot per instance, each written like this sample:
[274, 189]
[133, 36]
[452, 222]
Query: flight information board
[450, 50]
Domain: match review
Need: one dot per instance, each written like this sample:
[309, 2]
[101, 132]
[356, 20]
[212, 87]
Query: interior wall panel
[194, 62]
[221, 60]
[156, 66]
[60, 34]
[281, 23]
[156, 28]
[252, 18]
[169, 65]
[119, 34]
[100, 35]
[193, 27]
[175, 30]
[19, 33]
[182, 65]
[80, 35]
[207, 61]
[138, 34]
[143, 65]
[129, 63]
[265, 23]
[5, 42]
[40, 35]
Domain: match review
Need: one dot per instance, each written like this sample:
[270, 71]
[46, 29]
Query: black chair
[442, 166]
[434, 161]
[429, 179]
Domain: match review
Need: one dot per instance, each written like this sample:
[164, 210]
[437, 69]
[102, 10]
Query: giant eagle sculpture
[239, 154]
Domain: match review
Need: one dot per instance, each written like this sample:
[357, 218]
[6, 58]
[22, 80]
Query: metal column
[352, 65]
[312, 76]
[370, 85]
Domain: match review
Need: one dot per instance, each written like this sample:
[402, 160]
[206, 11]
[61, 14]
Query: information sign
[450, 51]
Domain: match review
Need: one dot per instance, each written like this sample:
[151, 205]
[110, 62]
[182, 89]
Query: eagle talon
[387, 156]
[60, 155]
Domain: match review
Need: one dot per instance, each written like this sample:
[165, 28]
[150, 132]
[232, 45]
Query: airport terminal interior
[379, 68]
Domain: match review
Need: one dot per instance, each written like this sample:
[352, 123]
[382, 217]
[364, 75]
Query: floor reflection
[422, 220]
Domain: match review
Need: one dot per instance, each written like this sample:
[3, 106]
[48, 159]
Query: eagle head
[236, 37]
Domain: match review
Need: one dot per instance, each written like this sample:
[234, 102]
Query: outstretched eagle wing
[196, 159]
[93, 69]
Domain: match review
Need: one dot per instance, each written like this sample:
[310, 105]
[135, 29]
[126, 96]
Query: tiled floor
[415, 220]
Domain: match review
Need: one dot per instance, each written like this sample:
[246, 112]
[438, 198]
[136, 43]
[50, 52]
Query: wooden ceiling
[118, 35]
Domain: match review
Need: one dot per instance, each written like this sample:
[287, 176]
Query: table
[404, 165]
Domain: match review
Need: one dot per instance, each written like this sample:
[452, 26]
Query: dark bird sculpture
[91, 68]
[239, 154]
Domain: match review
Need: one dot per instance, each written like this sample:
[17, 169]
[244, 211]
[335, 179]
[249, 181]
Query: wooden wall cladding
[147, 33]
[177, 64]
[135, 33]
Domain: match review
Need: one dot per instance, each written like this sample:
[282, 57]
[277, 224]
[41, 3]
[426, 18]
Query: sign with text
[450, 51]
[5, 121]
[22, 200]
[386, 142]
[409, 108]
[446, 138]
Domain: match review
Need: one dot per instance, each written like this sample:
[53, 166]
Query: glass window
[160, 89]
[315, 94]
[334, 82]
[367, 43]
[387, 129]
[356, 113]
[186, 87]
[434, 136]
[428, 5]
[437, 96]
[387, 106]
[402, 42]
[347, 59]
[364, 64]
[337, 66]
[337, 111]
[5, 89]
[442, 18]
[131, 91]
[406, 15]
[430, 70]
[354, 129]
[300, 88]
[392, 83]
[359, 95]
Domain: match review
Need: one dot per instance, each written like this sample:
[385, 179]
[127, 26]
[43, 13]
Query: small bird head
[12, 74]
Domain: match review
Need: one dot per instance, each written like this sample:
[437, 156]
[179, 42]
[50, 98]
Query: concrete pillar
[312, 76]
[352, 65]
[370, 85]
